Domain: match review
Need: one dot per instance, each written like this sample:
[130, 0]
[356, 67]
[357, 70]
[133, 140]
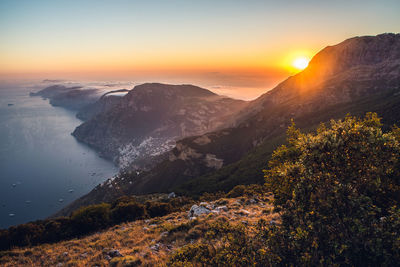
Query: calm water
[40, 162]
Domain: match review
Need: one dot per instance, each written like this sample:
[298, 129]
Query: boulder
[197, 211]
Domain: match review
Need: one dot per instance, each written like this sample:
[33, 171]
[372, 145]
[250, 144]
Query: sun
[300, 63]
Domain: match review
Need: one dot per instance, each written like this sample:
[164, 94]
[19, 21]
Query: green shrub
[237, 191]
[57, 229]
[157, 209]
[337, 191]
[194, 253]
[37, 232]
[130, 211]
[91, 218]
[246, 190]
[25, 234]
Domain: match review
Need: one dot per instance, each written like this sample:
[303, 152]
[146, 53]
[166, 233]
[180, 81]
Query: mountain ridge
[332, 93]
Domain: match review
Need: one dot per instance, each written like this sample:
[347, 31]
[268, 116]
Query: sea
[42, 167]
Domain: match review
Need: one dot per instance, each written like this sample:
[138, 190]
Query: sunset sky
[248, 44]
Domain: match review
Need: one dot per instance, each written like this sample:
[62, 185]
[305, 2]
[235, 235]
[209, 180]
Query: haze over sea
[42, 167]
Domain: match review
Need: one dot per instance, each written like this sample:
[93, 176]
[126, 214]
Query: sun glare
[300, 63]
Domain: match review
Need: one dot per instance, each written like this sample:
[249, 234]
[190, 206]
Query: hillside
[150, 118]
[359, 75]
[145, 242]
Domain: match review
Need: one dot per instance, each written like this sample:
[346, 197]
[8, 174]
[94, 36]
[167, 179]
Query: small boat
[11, 214]
[71, 190]
[61, 200]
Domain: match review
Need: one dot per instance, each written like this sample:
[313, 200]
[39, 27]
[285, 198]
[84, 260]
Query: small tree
[338, 191]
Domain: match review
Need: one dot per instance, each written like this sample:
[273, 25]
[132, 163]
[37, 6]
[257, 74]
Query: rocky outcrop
[196, 211]
[145, 123]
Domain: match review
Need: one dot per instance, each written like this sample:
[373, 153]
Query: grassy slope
[149, 241]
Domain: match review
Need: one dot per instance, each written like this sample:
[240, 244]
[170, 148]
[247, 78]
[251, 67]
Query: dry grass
[143, 242]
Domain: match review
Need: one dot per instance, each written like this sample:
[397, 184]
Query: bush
[338, 190]
[194, 253]
[157, 209]
[22, 235]
[57, 229]
[246, 190]
[130, 211]
[91, 218]
[237, 191]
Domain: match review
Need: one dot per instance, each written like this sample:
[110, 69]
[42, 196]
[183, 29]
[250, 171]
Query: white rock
[197, 211]
[203, 204]
[242, 212]
[252, 201]
[222, 208]
[207, 205]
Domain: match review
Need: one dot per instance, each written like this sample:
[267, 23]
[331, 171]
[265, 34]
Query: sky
[245, 44]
